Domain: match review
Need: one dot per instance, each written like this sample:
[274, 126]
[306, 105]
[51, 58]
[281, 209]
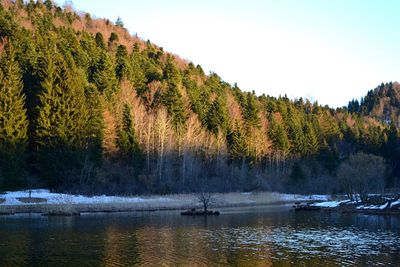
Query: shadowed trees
[361, 175]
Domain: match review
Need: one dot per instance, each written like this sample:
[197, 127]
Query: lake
[262, 236]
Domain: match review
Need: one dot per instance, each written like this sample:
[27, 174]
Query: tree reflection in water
[255, 237]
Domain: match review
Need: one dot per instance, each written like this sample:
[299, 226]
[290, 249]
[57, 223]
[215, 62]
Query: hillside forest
[87, 107]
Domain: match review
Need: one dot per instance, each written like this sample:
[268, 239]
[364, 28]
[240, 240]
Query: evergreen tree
[199, 98]
[48, 4]
[119, 22]
[251, 112]
[61, 125]
[238, 147]
[104, 76]
[122, 68]
[113, 38]
[95, 125]
[13, 121]
[295, 133]
[137, 75]
[217, 116]
[278, 135]
[100, 41]
[127, 142]
[172, 98]
[311, 144]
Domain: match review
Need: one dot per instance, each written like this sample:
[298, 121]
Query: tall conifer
[13, 120]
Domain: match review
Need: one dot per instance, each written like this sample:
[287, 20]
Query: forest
[87, 107]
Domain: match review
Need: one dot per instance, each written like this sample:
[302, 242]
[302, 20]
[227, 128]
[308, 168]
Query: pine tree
[199, 98]
[172, 98]
[137, 75]
[238, 147]
[104, 76]
[295, 132]
[278, 135]
[100, 41]
[119, 22]
[251, 112]
[127, 142]
[95, 125]
[311, 144]
[113, 38]
[122, 68]
[217, 116]
[13, 120]
[61, 126]
[48, 4]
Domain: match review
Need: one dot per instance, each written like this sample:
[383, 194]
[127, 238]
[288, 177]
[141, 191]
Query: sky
[324, 50]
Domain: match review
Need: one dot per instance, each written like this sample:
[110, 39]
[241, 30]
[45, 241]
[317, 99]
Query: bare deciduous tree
[206, 199]
[162, 126]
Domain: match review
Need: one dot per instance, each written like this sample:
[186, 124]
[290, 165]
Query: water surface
[265, 236]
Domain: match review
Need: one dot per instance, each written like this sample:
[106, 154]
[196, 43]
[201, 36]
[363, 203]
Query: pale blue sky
[329, 51]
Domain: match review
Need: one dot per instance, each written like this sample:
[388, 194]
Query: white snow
[372, 207]
[397, 202]
[329, 204]
[381, 207]
[58, 198]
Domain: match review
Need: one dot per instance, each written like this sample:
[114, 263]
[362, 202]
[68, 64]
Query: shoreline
[62, 204]
[121, 207]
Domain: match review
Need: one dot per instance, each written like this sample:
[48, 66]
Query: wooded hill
[85, 106]
[382, 103]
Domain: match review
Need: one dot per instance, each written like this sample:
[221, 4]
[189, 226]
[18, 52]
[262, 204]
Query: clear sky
[326, 50]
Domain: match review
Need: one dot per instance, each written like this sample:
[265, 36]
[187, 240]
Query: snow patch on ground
[368, 207]
[397, 202]
[58, 198]
[381, 207]
[329, 204]
[373, 207]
